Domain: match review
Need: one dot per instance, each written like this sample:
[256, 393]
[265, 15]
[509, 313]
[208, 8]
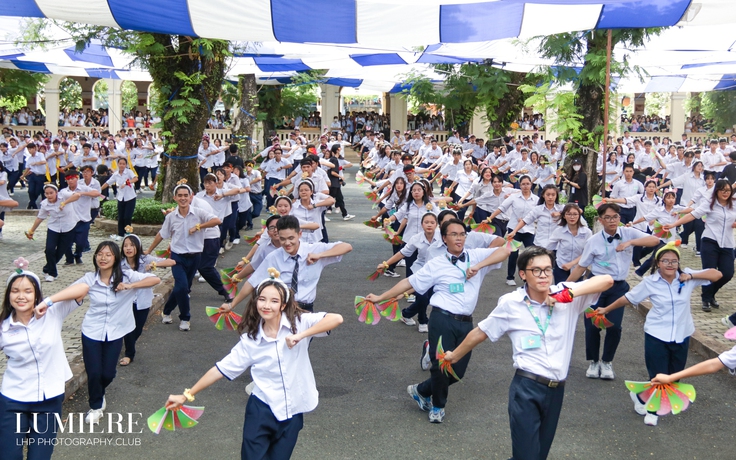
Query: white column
[398, 112]
[677, 115]
[114, 105]
[330, 104]
[479, 126]
[51, 102]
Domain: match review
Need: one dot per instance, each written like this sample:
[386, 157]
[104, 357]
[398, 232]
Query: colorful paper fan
[273, 191]
[366, 311]
[659, 231]
[390, 309]
[184, 417]
[448, 191]
[663, 398]
[369, 175]
[484, 227]
[163, 253]
[730, 334]
[494, 169]
[598, 320]
[253, 239]
[226, 276]
[372, 223]
[453, 206]
[221, 319]
[513, 245]
[469, 221]
[445, 367]
[597, 201]
[359, 178]
[438, 178]
[374, 276]
[372, 196]
[263, 222]
[391, 236]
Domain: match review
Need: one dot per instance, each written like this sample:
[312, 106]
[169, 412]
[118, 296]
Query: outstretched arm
[710, 366]
[472, 340]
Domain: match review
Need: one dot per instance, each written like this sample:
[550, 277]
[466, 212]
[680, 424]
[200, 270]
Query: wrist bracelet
[153, 265]
[245, 260]
[188, 395]
[198, 227]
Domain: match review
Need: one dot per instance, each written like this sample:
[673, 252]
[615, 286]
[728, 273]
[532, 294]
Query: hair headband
[273, 275]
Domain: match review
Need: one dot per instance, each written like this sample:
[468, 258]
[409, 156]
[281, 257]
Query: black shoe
[715, 304]
[248, 228]
[79, 262]
[69, 262]
[706, 306]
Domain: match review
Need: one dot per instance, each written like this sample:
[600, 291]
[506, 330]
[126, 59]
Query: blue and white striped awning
[375, 22]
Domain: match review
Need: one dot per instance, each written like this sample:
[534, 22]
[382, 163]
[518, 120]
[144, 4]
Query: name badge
[531, 341]
[456, 288]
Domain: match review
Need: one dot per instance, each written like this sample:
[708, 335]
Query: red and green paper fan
[273, 191]
[448, 191]
[369, 175]
[454, 206]
[366, 311]
[494, 169]
[391, 236]
[659, 231]
[512, 245]
[163, 253]
[359, 178]
[445, 367]
[597, 201]
[438, 178]
[390, 309]
[484, 227]
[222, 319]
[513, 179]
[469, 221]
[372, 223]
[253, 239]
[598, 320]
[184, 417]
[226, 276]
[372, 196]
[663, 398]
[374, 276]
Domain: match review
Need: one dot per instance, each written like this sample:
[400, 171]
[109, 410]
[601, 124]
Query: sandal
[125, 361]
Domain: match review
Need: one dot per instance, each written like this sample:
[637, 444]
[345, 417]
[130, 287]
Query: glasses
[572, 214]
[272, 229]
[536, 271]
[457, 235]
[670, 262]
[611, 218]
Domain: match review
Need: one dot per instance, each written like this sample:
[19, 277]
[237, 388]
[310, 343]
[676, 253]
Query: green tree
[70, 94]
[129, 95]
[295, 99]
[14, 83]
[720, 106]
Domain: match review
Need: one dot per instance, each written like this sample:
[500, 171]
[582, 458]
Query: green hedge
[147, 211]
[591, 214]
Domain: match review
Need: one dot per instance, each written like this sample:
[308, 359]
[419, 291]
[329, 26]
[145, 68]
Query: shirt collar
[284, 323]
[302, 252]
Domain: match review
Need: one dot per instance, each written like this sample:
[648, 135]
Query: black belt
[463, 318]
[538, 378]
[188, 255]
[306, 306]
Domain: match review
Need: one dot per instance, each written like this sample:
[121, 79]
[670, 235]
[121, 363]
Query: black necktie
[614, 237]
[295, 273]
[461, 258]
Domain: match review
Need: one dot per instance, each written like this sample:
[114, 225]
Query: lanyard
[536, 318]
[465, 274]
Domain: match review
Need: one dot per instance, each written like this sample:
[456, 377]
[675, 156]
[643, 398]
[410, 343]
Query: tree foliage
[128, 90]
[720, 106]
[70, 94]
[20, 83]
[292, 100]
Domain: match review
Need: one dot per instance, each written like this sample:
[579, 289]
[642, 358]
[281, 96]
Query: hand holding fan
[184, 417]
[597, 201]
[663, 398]
[445, 366]
[366, 311]
[600, 321]
[484, 227]
[222, 319]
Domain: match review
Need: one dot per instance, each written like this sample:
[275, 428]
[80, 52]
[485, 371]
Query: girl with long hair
[568, 241]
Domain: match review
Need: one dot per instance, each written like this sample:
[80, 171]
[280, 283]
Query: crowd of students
[428, 194]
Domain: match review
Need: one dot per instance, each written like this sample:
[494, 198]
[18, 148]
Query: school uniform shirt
[139, 157]
[718, 222]
[439, 273]
[4, 190]
[487, 200]
[541, 216]
[567, 245]
[37, 366]
[10, 158]
[177, 227]
[144, 296]
[420, 244]
[513, 317]
[244, 202]
[689, 184]
[37, 158]
[542, 173]
[220, 207]
[702, 194]
[670, 319]
[317, 180]
[212, 232]
[204, 155]
[58, 220]
[709, 159]
[661, 215]
[464, 182]
[678, 168]
[728, 358]
[264, 249]
[109, 316]
[601, 256]
[283, 376]
[271, 168]
[644, 205]
[392, 202]
[473, 240]
[125, 192]
[516, 207]
[84, 205]
[308, 274]
[313, 215]
[94, 184]
[255, 187]
[623, 189]
[413, 215]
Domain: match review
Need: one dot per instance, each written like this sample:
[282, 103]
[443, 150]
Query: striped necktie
[295, 274]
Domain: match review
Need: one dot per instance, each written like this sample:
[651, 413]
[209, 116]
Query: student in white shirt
[717, 244]
[568, 240]
[627, 187]
[112, 291]
[669, 324]
[456, 278]
[6, 203]
[541, 360]
[134, 259]
[88, 196]
[124, 179]
[60, 226]
[274, 344]
[544, 216]
[33, 383]
[309, 208]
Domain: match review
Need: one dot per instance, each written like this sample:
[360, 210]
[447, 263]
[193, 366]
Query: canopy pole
[607, 98]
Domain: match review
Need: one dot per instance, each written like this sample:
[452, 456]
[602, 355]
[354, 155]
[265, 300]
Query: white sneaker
[606, 371]
[201, 279]
[104, 404]
[402, 263]
[511, 282]
[329, 211]
[93, 416]
[49, 279]
[228, 246]
[327, 219]
[651, 419]
[594, 370]
[408, 321]
[683, 246]
[425, 361]
[727, 322]
[639, 407]
[249, 387]
[411, 299]
[184, 325]
[236, 241]
[349, 217]
[222, 250]
[423, 328]
[166, 319]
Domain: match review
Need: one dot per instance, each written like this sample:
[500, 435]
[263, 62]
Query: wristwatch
[48, 301]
